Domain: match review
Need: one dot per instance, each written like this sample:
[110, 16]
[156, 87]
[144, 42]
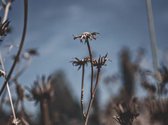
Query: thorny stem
[92, 97]
[90, 54]
[20, 46]
[8, 89]
[82, 90]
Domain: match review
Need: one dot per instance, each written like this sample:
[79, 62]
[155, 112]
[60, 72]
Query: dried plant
[21, 42]
[4, 29]
[86, 37]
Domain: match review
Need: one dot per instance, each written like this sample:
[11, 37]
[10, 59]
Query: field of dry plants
[54, 99]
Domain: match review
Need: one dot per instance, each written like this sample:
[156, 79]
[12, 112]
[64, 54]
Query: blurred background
[124, 35]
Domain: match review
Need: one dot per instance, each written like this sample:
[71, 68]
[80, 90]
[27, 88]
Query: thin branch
[20, 46]
[82, 90]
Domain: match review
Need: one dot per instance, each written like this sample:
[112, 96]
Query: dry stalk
[87, 36]
[20, 47]
[8, 89]
[91, 58]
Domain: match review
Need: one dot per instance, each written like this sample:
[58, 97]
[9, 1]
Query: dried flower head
[86, 36]
[100, 62]
[80, 62]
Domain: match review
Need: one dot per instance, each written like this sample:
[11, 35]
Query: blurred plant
[158, 110]
[86, 37]
[4, 29]
[7, 6]
[126, 113]
[41, 92]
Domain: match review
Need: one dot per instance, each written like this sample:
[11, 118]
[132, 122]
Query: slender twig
[82, 90]
[8, 89]
[91, 58]
[20, 46]
[92, 97]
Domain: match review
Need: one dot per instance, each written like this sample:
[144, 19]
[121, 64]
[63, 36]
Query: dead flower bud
[2, 73]
[86, 36]
[100, 62]
[80, 62]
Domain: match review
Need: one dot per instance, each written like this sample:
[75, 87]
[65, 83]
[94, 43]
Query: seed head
[86, 36]
[80, 62]
[100, 62]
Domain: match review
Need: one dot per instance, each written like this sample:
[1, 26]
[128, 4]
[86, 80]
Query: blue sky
[52, 23]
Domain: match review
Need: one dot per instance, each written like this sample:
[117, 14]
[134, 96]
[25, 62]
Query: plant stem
[20, 46]
[97, 80]
[8, 89]
[92, 97]
[8, 5]
[153, 40]
[82, 90]
[91, 58]
[152, 35]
